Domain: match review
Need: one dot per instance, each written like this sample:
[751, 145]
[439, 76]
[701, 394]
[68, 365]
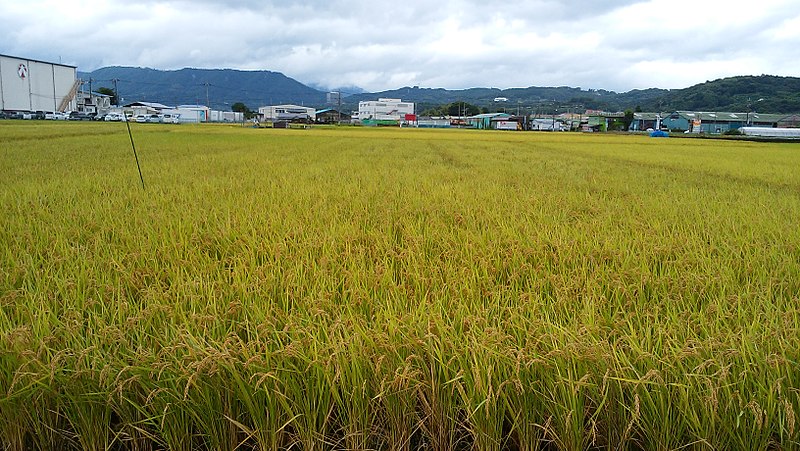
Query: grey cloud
[449, 43]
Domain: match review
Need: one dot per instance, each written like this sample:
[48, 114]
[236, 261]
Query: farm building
[487, 121]
[718, 122]
[434, 122]
[287, 113]
[644, 121]
[225, 116]
[384, 111]
[791, 121]
[30, 85]
[771, 132]
[185, 113]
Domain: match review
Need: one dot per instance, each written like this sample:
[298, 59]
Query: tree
[108, 92]
[453, 109]
[240, 107]
[462, 109]
[627, 119]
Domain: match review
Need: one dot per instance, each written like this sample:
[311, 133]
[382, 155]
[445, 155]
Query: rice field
[395, 289]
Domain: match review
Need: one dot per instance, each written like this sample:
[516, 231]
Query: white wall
[188, 115]
[226, 116]
[384, 109]
[43, 88]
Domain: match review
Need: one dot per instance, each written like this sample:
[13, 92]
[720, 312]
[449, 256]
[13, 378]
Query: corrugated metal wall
[29, 85]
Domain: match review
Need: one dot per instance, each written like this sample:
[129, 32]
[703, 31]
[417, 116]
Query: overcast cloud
[447, 43]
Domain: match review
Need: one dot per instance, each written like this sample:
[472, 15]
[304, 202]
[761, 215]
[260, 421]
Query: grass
[395, 289]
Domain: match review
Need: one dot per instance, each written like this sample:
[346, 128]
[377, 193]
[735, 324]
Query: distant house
[93, 102]
[331, 116]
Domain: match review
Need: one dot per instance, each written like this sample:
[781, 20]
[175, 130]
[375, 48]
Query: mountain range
[221, 88]
[217, 88]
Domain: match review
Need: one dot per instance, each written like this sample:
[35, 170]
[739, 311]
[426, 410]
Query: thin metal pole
[133, 146]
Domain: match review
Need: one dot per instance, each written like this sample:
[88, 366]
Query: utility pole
[208, 103]
[116, 93]
[749, 106]
[91, 97]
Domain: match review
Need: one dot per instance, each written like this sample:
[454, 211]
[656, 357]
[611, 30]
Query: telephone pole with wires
[116, 92]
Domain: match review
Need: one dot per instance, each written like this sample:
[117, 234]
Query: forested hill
[765, 93]
[224, 87]
[221, 88]
[534, 98]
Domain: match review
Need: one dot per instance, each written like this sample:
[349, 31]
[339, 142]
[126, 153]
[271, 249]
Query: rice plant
[355, 288]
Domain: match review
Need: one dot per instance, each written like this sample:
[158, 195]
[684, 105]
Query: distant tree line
[454, 109]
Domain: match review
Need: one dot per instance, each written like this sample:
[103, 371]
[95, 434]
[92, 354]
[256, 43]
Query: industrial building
[290, 113]
[31, 85]
[183, 113]
[718, 122]
[385, 112]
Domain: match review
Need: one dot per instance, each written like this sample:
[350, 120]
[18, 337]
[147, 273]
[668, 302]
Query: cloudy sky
[451, 44]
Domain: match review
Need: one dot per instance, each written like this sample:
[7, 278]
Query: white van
[169, 118]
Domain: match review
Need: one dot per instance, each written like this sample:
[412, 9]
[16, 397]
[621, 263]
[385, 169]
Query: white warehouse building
[384, 110]
[287, 113]
[30, 85]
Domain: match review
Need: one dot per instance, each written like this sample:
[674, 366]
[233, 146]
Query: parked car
[155, 118]
[38, 115]
[99, 117]
[80, 116]
[169, 118]
[56, 116]
[141, 118]
[114, 117]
